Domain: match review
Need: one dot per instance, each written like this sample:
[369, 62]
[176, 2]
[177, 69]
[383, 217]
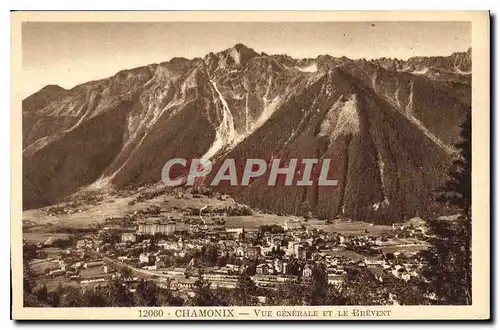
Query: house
[421, 230]
[361, 264]
[57, 272]
[154, 225]
[398, 226]
[378, 272]
[398, 271]
[221, 251]
[262, 269]
[240, 251]
[307, 271]
[128, 237]
[93, 280]
[184, 283]
[93, 264]
[285, 267]
[374, 262]
[405, 277]
[78, 265]
[234, 269]
[215, 228]
[63, 265]
[236, 232]
[335, 279]
[287, 278]
[215, 277]
[292, 225]
[180, 243]
[194, 228]
[252, 251]
[144, 258]
[336, 271]
[278, 266]
[177, 271]
[161, 261]
[80, 243]
[265, 250]
[272, 281]
[300, 251]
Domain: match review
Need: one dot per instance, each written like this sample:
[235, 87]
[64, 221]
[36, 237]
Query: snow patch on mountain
[344, 115]
[421, 71]
[310, 68]
[226, 136]
[268, 109]
[457, 70]
[381, 168]
[267, 112]
[348, 122]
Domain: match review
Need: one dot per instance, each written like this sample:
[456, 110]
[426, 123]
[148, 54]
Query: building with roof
[292, 224]
[128, 237]
[336, 279]
[154, 226]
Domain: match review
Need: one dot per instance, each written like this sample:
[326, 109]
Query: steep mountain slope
[387, 128]
[385, 163]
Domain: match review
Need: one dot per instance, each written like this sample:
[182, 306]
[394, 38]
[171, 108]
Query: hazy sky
[68, 54]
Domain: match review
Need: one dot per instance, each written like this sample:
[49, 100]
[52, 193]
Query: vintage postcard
[250, 165]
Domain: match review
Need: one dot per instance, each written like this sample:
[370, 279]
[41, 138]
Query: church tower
[180, 243]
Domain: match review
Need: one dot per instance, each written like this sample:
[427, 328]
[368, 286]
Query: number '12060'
[150, 313]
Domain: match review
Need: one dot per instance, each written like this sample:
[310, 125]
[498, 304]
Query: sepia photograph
[230, 165]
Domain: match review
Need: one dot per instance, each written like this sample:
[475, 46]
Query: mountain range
[388, 125]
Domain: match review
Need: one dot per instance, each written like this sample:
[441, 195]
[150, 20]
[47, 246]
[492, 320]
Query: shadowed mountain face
[387, 125]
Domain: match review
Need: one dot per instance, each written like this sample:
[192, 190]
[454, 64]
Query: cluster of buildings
[173, 253]
[414, 228]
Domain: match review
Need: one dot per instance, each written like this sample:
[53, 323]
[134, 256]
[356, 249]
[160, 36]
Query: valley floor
[79, 244]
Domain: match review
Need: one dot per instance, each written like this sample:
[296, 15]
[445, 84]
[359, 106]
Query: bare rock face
[387, 125]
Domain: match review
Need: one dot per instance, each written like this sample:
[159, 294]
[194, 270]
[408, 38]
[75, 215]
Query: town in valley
[183, 241]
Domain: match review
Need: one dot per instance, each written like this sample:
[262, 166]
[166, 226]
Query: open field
[348, 254]
[41, 236]
[53, 283]
[39, 268]
[93, 272]
[355, 228]
[404, 248]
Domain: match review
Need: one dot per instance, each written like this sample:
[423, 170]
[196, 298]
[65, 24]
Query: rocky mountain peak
[242, 47]
[231, 58]
[241, 54]
[237, 103]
